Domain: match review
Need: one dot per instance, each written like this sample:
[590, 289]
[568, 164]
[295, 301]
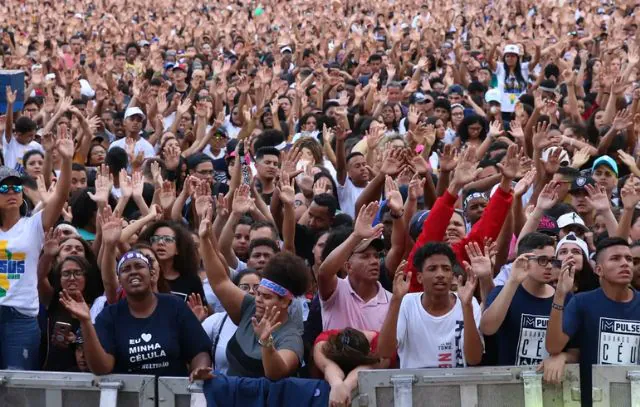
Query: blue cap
[415, 225]
[605, 160]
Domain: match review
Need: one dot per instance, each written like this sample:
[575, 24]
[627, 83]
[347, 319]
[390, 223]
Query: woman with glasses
[21, 239]
[177, 256]
[221, 328]
[144, 333]
[73, 275]
[267, 343]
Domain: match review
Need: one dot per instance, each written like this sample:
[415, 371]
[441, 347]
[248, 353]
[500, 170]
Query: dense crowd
[308, 189]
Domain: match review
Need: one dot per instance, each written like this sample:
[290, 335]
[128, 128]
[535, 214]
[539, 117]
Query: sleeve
[37, 229]
[493, 295]
[489, 225]
[571, 317]
[193, 339]
[292, 341]
[433, 230]
[403, 324]
[105, 329]
[211, 325]
[149, 152]
[499, 69]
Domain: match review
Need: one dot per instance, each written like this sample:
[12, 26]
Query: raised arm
[388, 339]
[11, 98]
[327, 274]
[396, 210]
[242, 203]
[111, 232]
[51, 212]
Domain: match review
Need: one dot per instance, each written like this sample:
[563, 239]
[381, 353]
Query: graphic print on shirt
[143, 349]
[619, 341]
[446, 358]
[531, 349]
[11, 267]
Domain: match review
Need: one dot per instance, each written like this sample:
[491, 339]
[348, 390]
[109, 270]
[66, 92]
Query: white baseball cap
[572, 238]
[511, 49]
[564, 156]
[132, 111]
[571, 218]
[493, 95]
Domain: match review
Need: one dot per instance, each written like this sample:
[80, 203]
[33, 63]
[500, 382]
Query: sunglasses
[162, 239]
[4, 189]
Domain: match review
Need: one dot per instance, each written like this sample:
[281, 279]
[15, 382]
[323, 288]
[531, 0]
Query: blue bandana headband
[275, 288]
[130, 256]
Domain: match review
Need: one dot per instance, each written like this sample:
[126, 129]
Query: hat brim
[17, 180]
[377, 244]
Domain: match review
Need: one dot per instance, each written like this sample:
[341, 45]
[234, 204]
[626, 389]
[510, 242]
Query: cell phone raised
[60, 331]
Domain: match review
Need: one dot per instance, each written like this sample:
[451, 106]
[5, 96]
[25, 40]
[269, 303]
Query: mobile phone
[83, 59]
[60, 331]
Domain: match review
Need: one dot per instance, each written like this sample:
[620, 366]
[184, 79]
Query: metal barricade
[481, 386]
[616, 385]
[178, 392]
[56, 389]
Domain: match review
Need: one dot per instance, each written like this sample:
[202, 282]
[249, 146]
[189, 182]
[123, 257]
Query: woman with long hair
[575, 248]
[21, 239]
[512, 75]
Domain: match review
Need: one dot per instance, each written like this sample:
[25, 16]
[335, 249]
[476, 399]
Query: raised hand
[64, 143]
[520, 268]
[549, 196]
[495, 129]
[392, 162]
[524, 183]
[51, 242]
[222, 209]
[580, 157]
[448, 159]
[103, 184]
[480, 263]
[172, 157]
[111, 226]
[242, 200]
[630, 193]
[268, 323]
[393, 196]
[137, 184]
[466, 290]
[205, 230]
[202, 199]
[511, 162]
[466, 170]
[363, 228]
[401, 281]
[416, 187]
[76, 306]
[167, 195]
[567, 276]
[125, 184]
[287, 193]
[597, 198]
[194, 301]
[552, 164]
[289, 162]
[11, 95]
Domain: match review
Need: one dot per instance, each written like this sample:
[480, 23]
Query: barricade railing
[616, 385]
[179, 392]
[57, 389]
[476, 386]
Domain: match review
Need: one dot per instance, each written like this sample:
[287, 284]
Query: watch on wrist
[268, 343]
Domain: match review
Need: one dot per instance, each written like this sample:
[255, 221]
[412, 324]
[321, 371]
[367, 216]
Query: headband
[472, 196]
[131, 256]
[275, 288]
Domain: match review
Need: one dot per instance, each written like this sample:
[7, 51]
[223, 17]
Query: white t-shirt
[214, 328]
[13, 152]
[348, 195]
[19, 253]
[142, 145]
[511, 89]
[428, 341]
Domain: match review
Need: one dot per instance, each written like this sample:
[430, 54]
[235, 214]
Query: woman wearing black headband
[267, 342]
[144, 333]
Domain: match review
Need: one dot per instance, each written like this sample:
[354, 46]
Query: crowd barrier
[613, 386]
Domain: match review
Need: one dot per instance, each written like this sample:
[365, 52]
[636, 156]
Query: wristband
[557, 306]
[394, 216]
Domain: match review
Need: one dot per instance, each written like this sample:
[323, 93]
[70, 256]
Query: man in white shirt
[435, 328]
[133, 119]
[17, 141]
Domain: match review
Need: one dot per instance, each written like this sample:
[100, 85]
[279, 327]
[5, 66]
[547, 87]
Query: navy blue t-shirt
[608, 332]
[521, 337]
[161, 344]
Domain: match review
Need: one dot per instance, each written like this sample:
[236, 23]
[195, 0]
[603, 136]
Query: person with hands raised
[527, 294]
[435, 327]
[359, 300]
[267, 342]
[630, 197]
[590, 318]
[18, 140]
[443, 223]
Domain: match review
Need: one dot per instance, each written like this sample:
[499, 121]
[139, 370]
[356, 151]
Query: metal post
[532, 389]
[403, 390]
[109, 393]
[634, 378]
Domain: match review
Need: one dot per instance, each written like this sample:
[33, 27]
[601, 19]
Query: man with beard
[133, 121]
[359, 300]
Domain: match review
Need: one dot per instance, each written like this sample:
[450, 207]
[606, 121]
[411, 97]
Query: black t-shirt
[304, 241]
[161, 344]
[185, 285]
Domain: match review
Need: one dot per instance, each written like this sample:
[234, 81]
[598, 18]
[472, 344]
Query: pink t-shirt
[345, 309]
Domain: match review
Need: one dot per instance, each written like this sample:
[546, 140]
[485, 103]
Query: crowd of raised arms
[307, 189]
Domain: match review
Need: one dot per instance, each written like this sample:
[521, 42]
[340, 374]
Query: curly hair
[313, 145]
[184, 262]
[349, 349]
[288, 270]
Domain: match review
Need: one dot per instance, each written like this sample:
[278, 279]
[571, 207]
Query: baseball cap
[572, 238]
[377, 244]
[548, 85]
[605, 160]
[132, 111]
[571, 218]
[7, 173]
[564, 156]
[286, 48]
[455, 89]
[182, 67]
[511, 49]
[493, 95]
[579, 183]
[548, 225]
[417, 97]
[143, 43]
[415, 225]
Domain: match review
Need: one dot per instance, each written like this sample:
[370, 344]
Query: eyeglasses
[543, 261]
[66, 274]
[205, 172]
[162, 239]
[4, 189]
[249, 287]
